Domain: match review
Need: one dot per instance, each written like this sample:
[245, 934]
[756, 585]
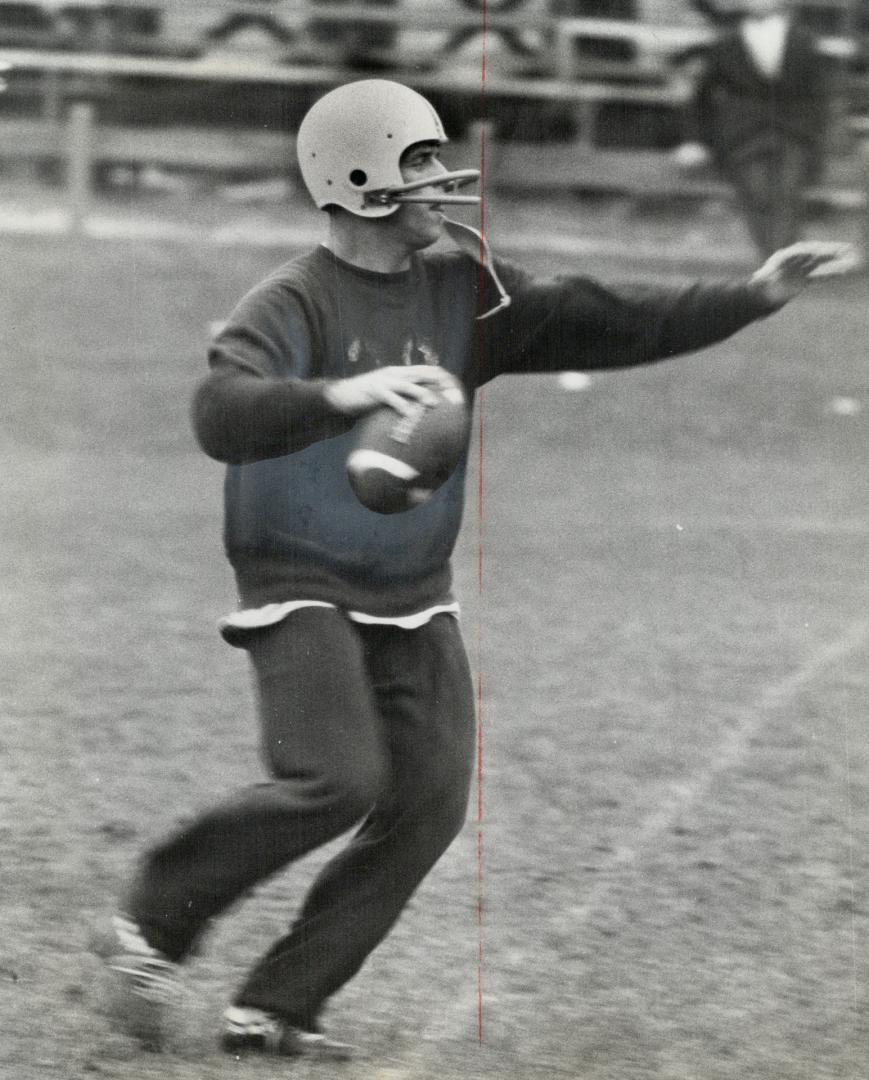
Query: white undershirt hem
[271, 614]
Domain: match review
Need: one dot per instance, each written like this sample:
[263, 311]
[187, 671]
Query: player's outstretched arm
[787, 272]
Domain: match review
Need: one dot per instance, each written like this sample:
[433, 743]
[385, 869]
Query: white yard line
[679, 796]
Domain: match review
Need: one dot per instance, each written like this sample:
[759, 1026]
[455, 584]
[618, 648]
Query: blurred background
[585, 98]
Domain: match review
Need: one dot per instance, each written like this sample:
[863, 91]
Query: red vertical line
[480, 559]
[480, 710]
[480, 935]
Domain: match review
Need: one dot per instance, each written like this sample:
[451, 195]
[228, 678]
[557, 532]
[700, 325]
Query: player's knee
[359, 787]
[344, 792]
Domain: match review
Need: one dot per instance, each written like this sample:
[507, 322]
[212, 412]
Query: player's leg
[424, 690]
[322, 741]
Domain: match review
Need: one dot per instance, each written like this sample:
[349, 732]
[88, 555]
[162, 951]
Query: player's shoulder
[304, 267]
[295, 276]
[459, 265]
[446, 263]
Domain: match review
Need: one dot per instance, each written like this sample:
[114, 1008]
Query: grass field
[670, 632]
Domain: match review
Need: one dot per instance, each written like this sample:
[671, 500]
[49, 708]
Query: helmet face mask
[412, 192]
[351, 142]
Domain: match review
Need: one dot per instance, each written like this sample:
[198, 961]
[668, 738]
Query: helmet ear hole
[350, 142]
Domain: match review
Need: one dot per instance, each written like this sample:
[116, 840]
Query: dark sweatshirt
[293, 528]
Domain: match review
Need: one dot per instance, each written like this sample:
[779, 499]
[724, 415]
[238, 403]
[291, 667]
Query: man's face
[419, 224]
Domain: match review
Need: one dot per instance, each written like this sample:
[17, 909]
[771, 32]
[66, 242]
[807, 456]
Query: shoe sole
[311, 1047]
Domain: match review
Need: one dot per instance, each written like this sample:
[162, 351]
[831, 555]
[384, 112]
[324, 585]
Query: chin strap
[473, 243]
[410, 193]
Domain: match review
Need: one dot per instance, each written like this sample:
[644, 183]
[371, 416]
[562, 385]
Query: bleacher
[598, 86]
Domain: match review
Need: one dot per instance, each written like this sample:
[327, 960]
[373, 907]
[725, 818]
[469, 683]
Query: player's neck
[368, 245]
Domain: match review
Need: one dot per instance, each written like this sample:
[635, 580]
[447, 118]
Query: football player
[365, 699]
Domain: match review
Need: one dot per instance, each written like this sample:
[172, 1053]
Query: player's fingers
[816, 259]
[841, 261]
[801, 264]
[409, 391]
[836, 268]
[821, 251]
[814, 247]
[417, 382]
[420, 393]
[806, 249]
[402, 405]
[429, 374]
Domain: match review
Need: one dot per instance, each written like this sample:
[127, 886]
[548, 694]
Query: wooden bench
[649, 51]
[73, 138]
[396, 34]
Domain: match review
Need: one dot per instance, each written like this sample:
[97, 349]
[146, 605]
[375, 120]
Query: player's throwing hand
[400, 387]
[787, 272]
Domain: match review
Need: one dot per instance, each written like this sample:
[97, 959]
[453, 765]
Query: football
[398, 462]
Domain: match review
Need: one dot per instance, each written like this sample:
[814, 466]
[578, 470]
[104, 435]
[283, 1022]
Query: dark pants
[367, 724]
[770, 178]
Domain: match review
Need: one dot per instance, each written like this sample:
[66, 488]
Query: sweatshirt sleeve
[262, 397]
[576, 323]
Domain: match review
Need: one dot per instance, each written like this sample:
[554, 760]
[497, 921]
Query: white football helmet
[350, 143]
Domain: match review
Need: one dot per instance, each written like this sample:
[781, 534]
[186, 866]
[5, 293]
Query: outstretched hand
[787, 272]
